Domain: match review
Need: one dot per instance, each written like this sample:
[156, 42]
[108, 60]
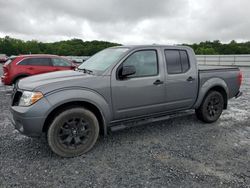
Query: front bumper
[30, 120]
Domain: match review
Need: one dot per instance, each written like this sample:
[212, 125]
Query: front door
[143, 92]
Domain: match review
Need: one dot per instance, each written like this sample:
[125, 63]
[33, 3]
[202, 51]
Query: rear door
[142, 93]
[36, 65]
[182, 79]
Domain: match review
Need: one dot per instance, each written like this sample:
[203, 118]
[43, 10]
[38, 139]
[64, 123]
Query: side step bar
[143, 121]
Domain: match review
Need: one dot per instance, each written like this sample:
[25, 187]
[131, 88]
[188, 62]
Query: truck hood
[55, 80]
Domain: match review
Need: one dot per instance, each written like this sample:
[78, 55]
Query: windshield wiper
[85, 70]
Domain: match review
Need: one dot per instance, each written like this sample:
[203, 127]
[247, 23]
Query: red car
[27, 65]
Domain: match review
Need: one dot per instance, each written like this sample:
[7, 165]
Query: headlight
[28, 98]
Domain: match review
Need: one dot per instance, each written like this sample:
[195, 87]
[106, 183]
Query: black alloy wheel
[211, 107]
[73, 132]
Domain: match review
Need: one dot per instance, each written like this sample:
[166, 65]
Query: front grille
[16, 98]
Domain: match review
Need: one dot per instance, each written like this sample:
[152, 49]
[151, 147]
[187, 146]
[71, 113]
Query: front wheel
[73, 132]
[211, 107]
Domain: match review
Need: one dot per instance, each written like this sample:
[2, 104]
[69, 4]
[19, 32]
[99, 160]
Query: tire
[211, 107]
[73, 132]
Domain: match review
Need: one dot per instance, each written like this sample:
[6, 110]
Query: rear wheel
[211, 107]
[73, 132]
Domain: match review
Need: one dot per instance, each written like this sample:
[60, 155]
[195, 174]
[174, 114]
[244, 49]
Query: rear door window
[184, 61]
[36, 62]
[177, 61]
[173, 61]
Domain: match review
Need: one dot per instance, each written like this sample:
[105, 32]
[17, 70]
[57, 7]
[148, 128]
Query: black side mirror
[127, 71]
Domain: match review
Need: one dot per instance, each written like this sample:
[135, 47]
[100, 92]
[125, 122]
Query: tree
[78, 47]
[75, 47]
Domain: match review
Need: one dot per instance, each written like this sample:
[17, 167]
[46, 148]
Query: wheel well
[223, 92]
[68, 105]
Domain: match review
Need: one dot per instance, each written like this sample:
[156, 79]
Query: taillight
[5, 69]
[240, 78]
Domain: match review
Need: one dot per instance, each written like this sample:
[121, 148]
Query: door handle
[190, 79]
[158, 82]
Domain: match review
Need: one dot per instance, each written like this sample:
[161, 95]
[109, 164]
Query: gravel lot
[181, 152]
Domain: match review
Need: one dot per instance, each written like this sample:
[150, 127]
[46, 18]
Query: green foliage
[77, 47]
[74, 47]
[216, 47]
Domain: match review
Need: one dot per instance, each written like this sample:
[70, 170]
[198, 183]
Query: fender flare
[67, 95]
[207, 86]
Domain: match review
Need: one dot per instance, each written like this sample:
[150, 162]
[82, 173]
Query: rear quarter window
[24, 62]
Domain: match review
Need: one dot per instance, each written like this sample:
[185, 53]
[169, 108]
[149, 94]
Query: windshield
[103, 59]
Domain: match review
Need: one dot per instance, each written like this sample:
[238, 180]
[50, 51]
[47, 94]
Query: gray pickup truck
[119, 87]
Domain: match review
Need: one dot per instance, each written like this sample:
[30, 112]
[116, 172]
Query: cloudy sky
[126, 21]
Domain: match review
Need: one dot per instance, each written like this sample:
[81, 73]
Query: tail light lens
[6, 65]
[240, 78]
[5, 69]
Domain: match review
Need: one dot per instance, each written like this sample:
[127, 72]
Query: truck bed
[228, 74]
[215, 68]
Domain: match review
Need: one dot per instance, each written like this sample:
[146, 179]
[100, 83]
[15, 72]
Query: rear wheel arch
[218, 88]
[216, 84]
[87, 105]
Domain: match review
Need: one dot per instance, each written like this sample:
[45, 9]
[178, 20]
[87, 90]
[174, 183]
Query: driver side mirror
[127, 71]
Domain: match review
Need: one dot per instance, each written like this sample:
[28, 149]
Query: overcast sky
[126, 21]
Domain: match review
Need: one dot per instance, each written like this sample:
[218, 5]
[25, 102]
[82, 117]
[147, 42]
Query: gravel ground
[180, 152]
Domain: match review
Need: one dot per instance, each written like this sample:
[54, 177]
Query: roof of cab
[153, 46]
